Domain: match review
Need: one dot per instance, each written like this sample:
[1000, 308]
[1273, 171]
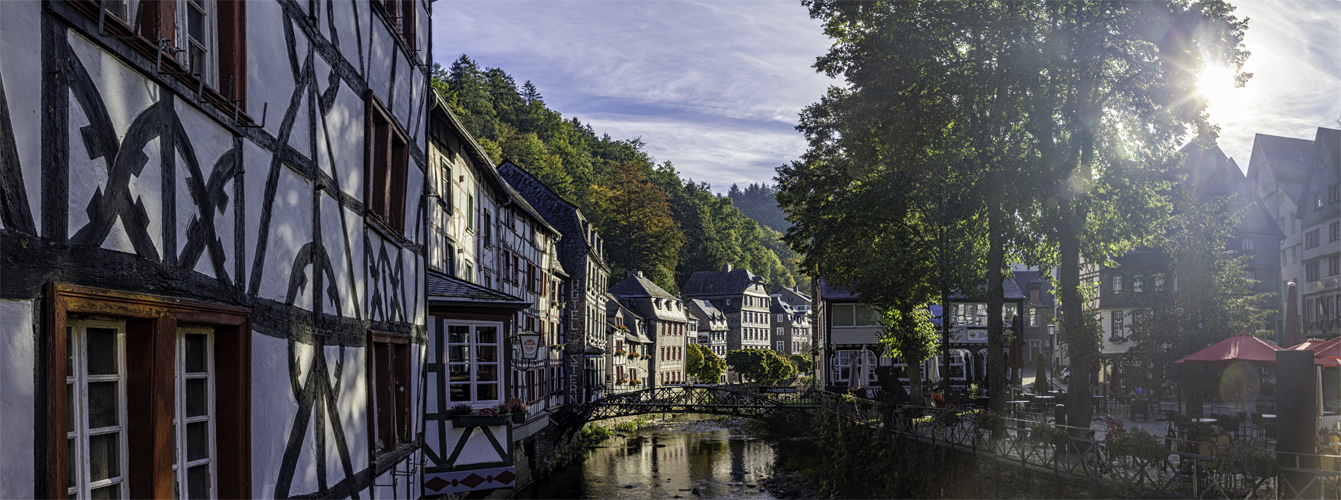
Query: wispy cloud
[1296, 66]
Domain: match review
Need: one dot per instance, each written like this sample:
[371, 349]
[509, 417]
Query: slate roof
[1287, 158]
[724, 282]
[443, 287]
[830, 292]
[1024, 278]
[637, 285]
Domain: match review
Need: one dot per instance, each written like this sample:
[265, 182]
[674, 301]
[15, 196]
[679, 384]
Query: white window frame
[473, 362]
[77, 380]
[209, 71]
[179, 471]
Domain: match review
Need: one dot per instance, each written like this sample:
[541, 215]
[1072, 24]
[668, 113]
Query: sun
[1215, 84]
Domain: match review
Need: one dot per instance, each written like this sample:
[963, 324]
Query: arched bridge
[769, 403]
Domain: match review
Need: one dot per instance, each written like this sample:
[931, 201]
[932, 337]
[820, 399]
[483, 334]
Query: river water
[668, 460]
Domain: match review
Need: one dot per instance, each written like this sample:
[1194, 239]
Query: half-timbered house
[211, 218]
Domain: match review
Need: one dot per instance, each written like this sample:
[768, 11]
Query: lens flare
[1240, 383]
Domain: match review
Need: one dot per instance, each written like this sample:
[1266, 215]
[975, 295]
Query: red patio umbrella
[1306, 345]
[1328, 353]
[1240, 347]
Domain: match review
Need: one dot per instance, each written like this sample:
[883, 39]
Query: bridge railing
[1115, 463]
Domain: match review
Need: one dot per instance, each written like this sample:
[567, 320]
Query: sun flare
[1216, 85]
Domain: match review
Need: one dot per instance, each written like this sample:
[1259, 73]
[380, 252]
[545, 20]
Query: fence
[1114, 463]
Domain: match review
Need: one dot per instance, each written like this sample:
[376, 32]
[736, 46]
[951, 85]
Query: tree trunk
[996, 359]
[914, 381]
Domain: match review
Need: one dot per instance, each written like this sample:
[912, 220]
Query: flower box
[481, 420]
[519, 418]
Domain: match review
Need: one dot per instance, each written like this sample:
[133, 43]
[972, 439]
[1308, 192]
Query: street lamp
[1056, 357]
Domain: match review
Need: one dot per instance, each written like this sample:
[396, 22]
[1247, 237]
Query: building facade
[581, 252]
[668, 326]
[1320, 223]
[189, 276]
[741, 296]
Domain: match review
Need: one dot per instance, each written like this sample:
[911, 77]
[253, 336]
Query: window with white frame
[196, 38]
[95, 381]
[193, 464]
[473, 362]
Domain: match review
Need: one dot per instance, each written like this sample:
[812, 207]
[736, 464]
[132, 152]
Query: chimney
[635, 274]
[726, 268]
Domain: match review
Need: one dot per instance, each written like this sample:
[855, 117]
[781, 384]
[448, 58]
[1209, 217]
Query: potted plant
[516, 408]
[485, 417]
[620, 352]
[1135, 443]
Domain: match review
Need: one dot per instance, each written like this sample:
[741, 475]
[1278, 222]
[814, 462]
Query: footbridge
[784, 404]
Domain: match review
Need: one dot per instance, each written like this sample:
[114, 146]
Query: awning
[1241, 347]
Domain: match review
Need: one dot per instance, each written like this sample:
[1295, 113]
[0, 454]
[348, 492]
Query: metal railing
[1164, 466]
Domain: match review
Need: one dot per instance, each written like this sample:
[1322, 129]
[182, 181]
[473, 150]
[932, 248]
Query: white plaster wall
[344, 127]
[290, 229]
[357, 291]
[383, 50]
[20, 63]
[272, 410]
[478, 449]
[400, 107]
[210, 142]
[17, 403]
[322, 155]
[333, 237]
[269, 77]
[125, 94]
[353, 409]
[347, 15]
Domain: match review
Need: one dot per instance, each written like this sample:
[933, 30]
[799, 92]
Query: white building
[211, 220]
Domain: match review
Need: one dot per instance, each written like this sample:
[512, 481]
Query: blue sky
[716, 87]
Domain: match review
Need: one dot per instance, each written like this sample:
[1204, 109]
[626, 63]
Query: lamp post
[1056, 355]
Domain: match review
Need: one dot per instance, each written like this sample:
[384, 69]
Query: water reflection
[665, 462]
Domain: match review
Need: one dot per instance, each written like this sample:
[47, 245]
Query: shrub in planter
[1136, 443]
[462, 409]
[1252, 460]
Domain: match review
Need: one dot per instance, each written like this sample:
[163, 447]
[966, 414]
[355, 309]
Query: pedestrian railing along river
[1129, 463]
[766, 402]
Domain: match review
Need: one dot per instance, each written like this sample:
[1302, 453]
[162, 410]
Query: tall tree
[635, 216]
[1114, 95]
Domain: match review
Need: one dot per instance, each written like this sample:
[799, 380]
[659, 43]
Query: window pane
[197, 441]
[198, 481]
[195, 22]
[102, 404]
[842, 315]
[195, 353]
[459, 392]
[197, 395]
[459, 373]
[485, 392]
[69, 354]
[72, 478]
[108, 492]
[458, 334]
[104, 456]
[69, 408]
[487, 373]
[486, 353]
[486, 335]
[458, 354]
[101, 351]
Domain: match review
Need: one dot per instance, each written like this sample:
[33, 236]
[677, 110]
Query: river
[675, 459]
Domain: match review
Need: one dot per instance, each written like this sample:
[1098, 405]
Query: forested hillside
[651, 218]
[758, 202]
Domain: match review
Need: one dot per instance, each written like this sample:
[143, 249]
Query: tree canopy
[763, 366]
[701, 363]
[968, 132]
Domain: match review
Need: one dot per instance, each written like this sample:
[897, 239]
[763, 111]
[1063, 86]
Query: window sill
[384, 460]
